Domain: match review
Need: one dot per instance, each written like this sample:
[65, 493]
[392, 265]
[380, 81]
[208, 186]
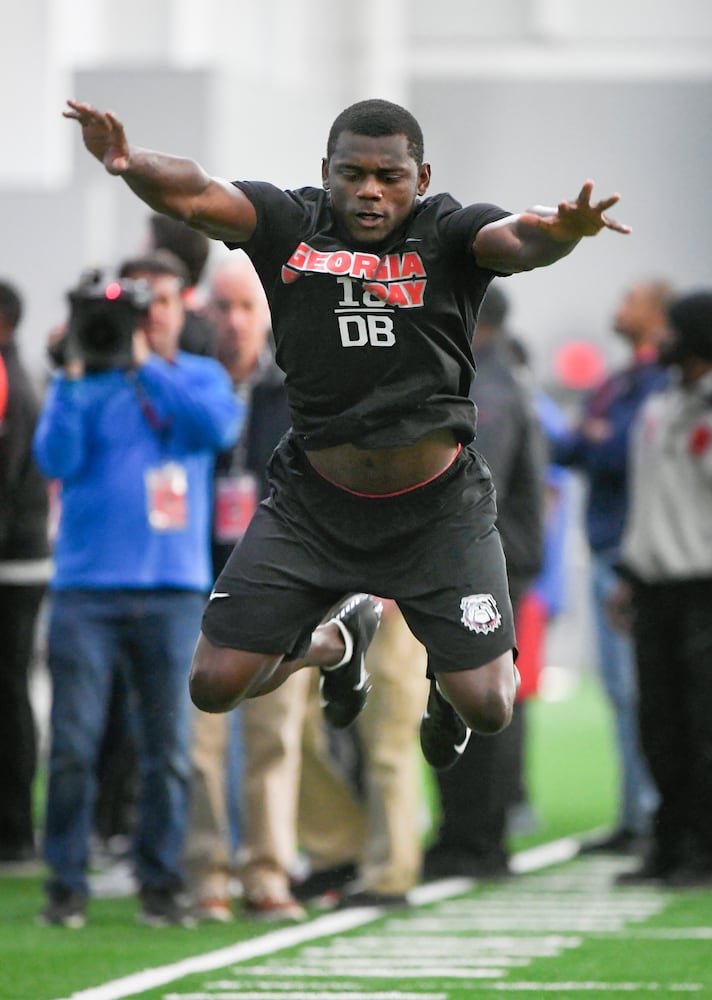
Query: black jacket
[267, 420]
[510, 438]
[23, 489]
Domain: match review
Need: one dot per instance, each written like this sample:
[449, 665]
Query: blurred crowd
[129, 475]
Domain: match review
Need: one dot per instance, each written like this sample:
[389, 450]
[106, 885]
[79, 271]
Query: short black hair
[155, 263]
[192, 247]
[690, 316]
[495, 307]
[10, 305]
[376, 117]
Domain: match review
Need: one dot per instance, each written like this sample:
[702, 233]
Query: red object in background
[530, 625]
[579, 365]
[700, 440]
[3, 389]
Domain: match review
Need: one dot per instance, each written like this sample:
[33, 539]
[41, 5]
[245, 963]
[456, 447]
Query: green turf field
[563, 930]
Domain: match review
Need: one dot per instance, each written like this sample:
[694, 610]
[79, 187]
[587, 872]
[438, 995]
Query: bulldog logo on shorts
[480, 613]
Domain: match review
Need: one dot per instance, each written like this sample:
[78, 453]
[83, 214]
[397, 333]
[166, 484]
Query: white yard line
[327, 925]
[285, 937]
[267, 944]
[310, 995]
[586, 987]
[554, 853]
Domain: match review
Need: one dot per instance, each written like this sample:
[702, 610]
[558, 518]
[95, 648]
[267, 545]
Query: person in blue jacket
[133, 447]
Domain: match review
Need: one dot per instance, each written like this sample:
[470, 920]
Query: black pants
[476, 795]
[672, 632]
[19, 607]
[475, 798]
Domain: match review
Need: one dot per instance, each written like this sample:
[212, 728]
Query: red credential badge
[167, 496]
[235, 503]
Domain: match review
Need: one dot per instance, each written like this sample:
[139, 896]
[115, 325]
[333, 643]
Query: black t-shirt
[375, 345]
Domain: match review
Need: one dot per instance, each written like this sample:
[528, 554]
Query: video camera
[103, 319]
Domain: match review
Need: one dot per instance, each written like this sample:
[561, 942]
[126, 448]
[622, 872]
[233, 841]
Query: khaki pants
[382, 833]
[271, 754]
[282, 735]
[206, 857]
[271, 767]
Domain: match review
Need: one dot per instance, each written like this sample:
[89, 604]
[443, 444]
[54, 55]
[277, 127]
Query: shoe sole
[73, 923]
[288, 915]
[151, 920]
[214, 917]
[342, 712]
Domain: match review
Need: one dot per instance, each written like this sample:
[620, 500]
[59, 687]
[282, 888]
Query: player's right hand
[103, 135]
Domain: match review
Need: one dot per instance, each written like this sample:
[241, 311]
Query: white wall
[534, 140]
[520, 101]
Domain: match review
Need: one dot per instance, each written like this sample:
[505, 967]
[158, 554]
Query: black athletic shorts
[434, 549]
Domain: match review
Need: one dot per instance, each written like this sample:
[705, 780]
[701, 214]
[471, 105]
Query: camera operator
[130, 427]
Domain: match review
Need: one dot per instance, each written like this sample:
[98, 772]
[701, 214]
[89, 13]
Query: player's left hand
[575, 219]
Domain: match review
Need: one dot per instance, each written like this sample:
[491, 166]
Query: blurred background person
[598, 448]
[547, 596]
[192, 248]
[187, 252]
[361, 805]
[24, 573]
[175, 250]
[268, 729]
[130, 427]
[478, 793]
[666, 596]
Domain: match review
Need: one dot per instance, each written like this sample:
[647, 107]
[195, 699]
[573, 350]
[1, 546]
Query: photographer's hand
[103, 136]
[57, 351]
[74, 369]
[141, 348]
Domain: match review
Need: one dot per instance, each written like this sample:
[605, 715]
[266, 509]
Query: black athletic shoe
[366, 897]
[620, 841]
[692, 876]
[441, 862]
[344, 689]
[443, 734]
[64, 908]
[644, 874]
[164, 907]
[328, 880]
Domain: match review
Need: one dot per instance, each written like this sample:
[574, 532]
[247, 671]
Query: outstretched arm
[172, 185]
[541, 236]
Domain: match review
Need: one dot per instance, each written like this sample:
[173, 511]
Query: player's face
[373, 182]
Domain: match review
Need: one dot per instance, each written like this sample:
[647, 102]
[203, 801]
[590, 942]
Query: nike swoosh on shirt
[215, 595]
